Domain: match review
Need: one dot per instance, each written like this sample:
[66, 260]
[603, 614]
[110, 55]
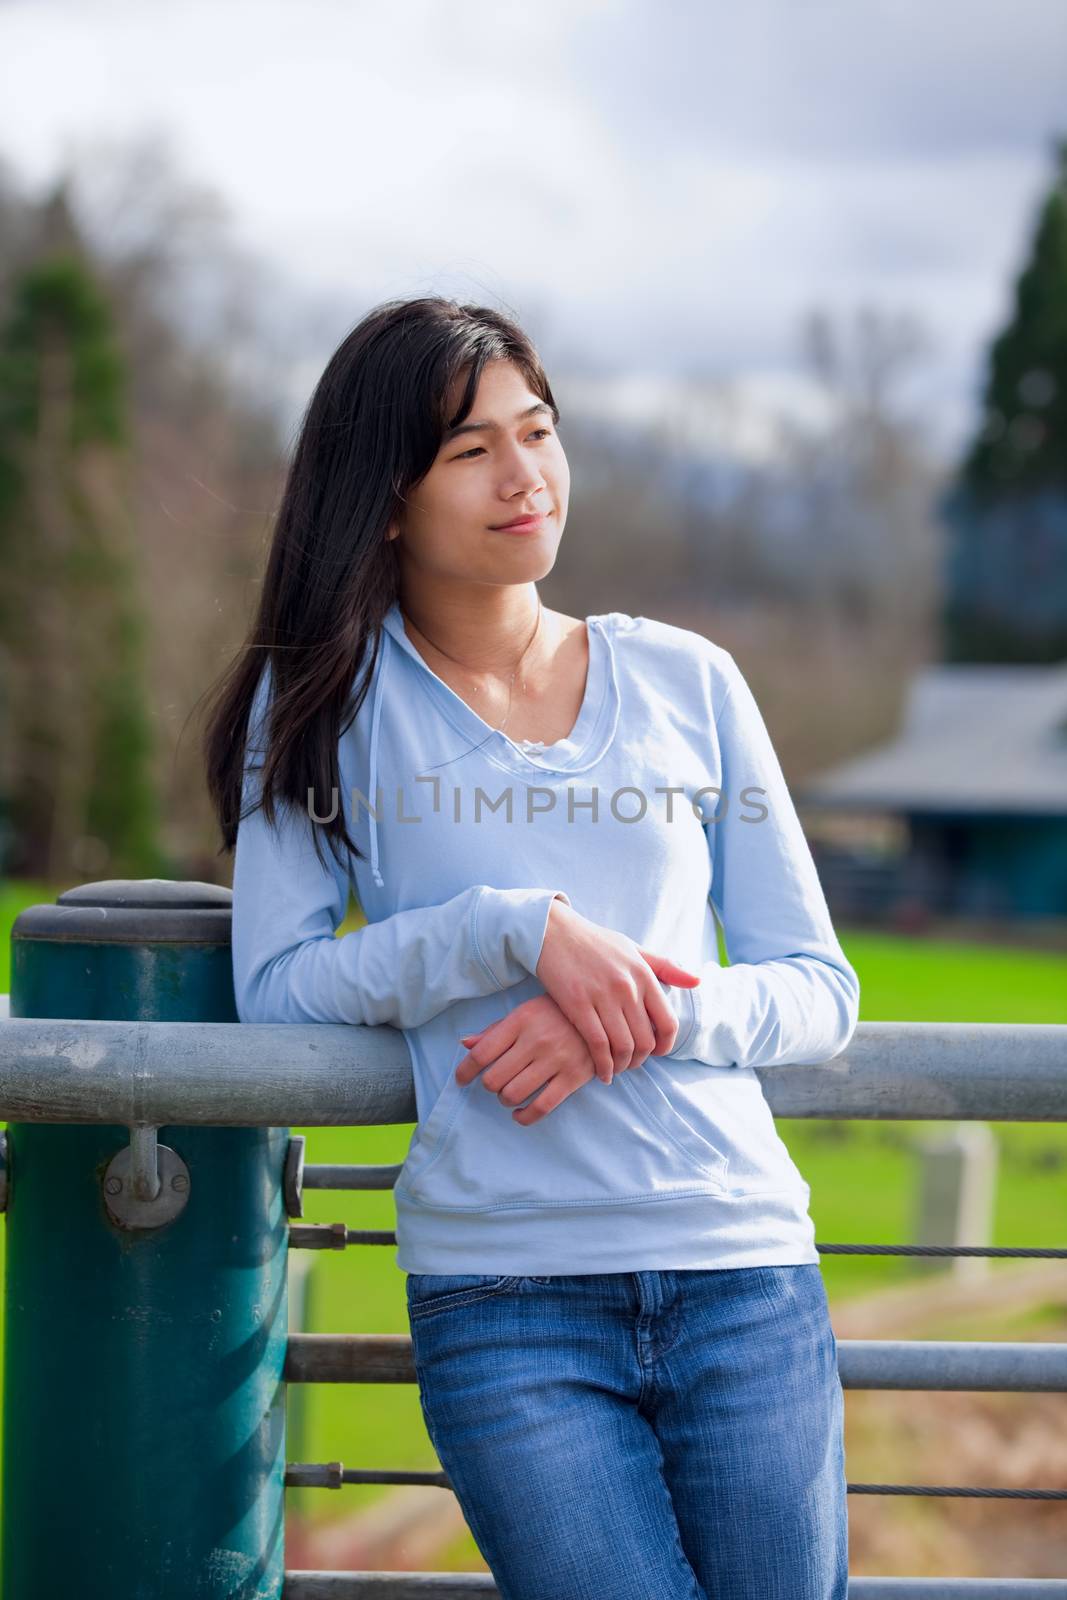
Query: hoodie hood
[584, 746]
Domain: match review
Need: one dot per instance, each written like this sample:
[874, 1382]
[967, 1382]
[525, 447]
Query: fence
[147, 1353]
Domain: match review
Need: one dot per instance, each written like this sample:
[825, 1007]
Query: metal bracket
[147, 1183]
[319, 1236]
[293, 1176]
[314, 1475]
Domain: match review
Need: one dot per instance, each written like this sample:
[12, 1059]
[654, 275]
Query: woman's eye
[473, 451]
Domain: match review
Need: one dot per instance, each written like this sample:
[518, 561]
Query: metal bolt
[114, 1186]
[179, 1183]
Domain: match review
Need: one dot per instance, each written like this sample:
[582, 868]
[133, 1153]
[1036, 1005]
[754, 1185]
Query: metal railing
[143, 1076]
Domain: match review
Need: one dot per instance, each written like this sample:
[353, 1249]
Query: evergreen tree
[76, 730]
[1006, 580]
[1022, 442]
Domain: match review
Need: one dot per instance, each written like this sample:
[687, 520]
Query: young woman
[620, 1329]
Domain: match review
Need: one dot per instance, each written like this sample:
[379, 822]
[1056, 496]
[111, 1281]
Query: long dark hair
[371, 431]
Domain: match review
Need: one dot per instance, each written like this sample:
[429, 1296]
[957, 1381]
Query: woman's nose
[524, 473]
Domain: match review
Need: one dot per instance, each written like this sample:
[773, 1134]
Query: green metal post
[144, 1404]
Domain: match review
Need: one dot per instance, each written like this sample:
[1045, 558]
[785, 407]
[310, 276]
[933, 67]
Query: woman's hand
[606, 987]
[533, 1047]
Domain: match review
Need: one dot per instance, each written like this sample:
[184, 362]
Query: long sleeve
[289, 966]
[789, 993]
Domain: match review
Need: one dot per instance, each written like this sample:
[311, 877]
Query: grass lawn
[860, 1174]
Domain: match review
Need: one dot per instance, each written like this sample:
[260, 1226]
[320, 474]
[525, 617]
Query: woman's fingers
[643, 1033]
[498, 1078]
[670, 971]
[621, 1040]
[603, 984]
[563, 1083]
[588, 1023]
[594, 975]
[489, 1044]
[535, 1051]
[526, 1081]
[657, 1005]
[661, 1019]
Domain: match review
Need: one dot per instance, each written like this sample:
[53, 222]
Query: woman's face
[482, 478]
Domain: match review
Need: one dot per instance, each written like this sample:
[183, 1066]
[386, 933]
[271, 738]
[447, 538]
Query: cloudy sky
[659, 190]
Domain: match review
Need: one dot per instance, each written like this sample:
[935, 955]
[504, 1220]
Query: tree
[77, 735]
[1007, 510]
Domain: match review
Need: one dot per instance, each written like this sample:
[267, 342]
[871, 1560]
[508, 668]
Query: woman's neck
[516, 637]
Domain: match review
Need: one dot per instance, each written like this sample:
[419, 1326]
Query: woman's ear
[391, 532]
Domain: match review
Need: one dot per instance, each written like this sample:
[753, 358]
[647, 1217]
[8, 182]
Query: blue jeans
[640, 1435]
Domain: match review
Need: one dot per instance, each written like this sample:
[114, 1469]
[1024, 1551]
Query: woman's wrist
[510, 926]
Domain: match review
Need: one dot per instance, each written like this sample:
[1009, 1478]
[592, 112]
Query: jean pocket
[437, 1291]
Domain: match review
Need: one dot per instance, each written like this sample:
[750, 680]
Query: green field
[860, 1175]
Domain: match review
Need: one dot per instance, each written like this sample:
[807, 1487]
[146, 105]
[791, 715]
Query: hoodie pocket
[605, 1144]
[654, 1104]
[727, 1105]
[433, 1130]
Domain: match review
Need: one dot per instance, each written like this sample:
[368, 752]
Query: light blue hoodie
[675, 1164]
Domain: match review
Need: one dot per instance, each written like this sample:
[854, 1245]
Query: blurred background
[798, 274]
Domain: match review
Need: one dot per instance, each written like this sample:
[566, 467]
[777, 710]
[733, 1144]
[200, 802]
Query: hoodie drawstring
[375, 723]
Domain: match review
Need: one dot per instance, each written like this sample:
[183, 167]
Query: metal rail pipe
[480, 1586]
[333, 1075]
[929, 1364]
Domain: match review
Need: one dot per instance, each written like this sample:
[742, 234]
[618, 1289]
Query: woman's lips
[524, 524]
